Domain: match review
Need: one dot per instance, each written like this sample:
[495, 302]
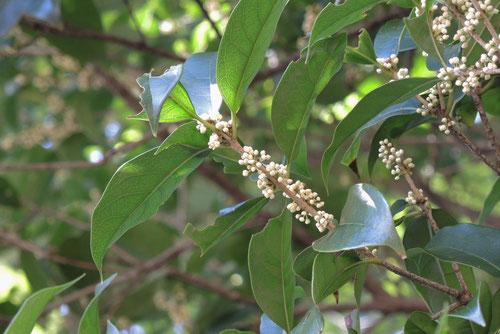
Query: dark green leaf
[420, 323]
[495, 308]
[155, 92]
[370, 106]
[229, 221]
[271, 274]
[297, 92]
[333, 18]
[366, 221]
[244, 45]
[330, 273]
[34, 270]
[136, 191]
[311, 323]
[89, 324]
[364, 53]
[490, 202]
[25, 319]
[303, 263]
[186, 135]
[421, 32]
[469, 244]
[449, 51]
[8, 194]
[398, 206]
[229, 158]
[352, 152]
[199, 80]
[473, 311]
[299, 166]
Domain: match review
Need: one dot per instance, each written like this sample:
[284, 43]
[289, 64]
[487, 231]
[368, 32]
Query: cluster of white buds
[432, 101]
[471, 17]
[446, 125]
[402, 73]
[389, 64]
[215, 139]
[393, 159]
[420, 10]
[440, 24]
[413, 199]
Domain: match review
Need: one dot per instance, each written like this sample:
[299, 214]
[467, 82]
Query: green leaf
[303, 263]
[177, 107]
[469, 244]
[89, 323]
[352, 152]
[495, 308]
[8, 194]
[330, 273]
[311, 323]
[244, 45]
[364, 53]
[199, 80]
[333, 18]
[229, 158]
[186, 135]
[235, 331]
[490, 202]
[112, 329]
[271, 274]
[421, 32]
[297, 92]
[155, 92]
[370, 106]
[473, 310]
[366, 221]
[299, 166]
[417, 234]
[359, 282]
[392, 38]
[229, 221]
[25, 319]
[136, 191]
[449, 51]
[420, 323]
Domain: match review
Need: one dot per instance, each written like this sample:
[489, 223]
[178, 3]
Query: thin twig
[134, 21]
[207, 16]
[69, 31]
[486, 21]
[478, 101]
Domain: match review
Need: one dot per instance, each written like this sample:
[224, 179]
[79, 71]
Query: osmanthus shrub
[460, 40]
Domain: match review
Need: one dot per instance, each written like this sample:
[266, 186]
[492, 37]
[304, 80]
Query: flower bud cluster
[215, 139]
[440, 24]
[432, 102]
[413, 199]
[389, 64]
[393, 159]
[446, 125]
[402, 73]
[471, 17]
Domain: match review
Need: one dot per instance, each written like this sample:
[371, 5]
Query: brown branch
[69, 31]
[207, 16]
[478, 101]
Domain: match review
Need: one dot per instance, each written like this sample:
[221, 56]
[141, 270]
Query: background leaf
[271, 274]
[490, 202]
[311, 323]
[247, 37]
[420, 323]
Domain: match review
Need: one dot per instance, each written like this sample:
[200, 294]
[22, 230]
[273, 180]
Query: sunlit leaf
[366, 221]
[186, 135]
[311, 323]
